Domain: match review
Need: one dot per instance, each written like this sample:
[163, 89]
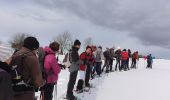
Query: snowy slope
[139, 84]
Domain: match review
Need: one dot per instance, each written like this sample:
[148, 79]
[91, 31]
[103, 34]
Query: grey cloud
[147, 20]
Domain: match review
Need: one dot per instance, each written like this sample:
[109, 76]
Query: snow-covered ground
[139, 84]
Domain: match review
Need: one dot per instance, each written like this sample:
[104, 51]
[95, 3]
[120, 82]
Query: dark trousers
[133, 65]
[87, 77]
[110, 64]
[149, 64]
[106, 64]
[48, 91]
[98, 67]
[128, 63]
[124, 64]
[71, 83]
[117, 63]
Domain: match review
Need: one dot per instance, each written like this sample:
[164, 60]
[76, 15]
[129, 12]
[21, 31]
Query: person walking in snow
[28, 75]
[74, 67]
[134, 59]
[129, 52]
[124, 60]
[98, 57]
[118, 59]
[149, 61]
[52, 69]
[107, 59]
[112, 54]
[84, 70]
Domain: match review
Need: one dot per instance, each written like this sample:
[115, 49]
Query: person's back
[51, 69]
[74, 67]
[28, 65]
[125, 55]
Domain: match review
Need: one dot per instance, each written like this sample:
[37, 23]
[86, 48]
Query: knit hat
[77, 42]
[31, 43]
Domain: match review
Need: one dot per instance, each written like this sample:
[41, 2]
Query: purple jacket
[51, 66]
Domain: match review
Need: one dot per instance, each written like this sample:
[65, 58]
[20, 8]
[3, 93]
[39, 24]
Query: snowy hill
[139, 84]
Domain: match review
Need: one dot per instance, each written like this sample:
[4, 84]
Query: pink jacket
[51, 66]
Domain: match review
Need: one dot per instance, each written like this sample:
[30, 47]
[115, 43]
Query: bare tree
[88, 42]
[18, 40]
[65, 41]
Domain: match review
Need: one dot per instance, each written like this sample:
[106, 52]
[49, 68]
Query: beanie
[77, 42]
[31, 43]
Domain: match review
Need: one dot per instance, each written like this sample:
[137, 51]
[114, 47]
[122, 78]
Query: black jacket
[5, 83]
[74, 54]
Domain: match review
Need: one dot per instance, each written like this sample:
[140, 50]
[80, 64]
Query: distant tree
[88, 42]
[65, 41]
[17, 40]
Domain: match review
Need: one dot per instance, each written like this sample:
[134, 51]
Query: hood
[48, 50]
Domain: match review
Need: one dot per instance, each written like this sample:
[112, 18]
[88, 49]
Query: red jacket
[84, 57]
[124, 55]
[135, 55]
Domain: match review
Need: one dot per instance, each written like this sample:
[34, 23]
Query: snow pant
[149, 64]
[98, 68]
[128, 63]
[48, 91]
[117, 63]
[124, 64]
[87, 77]
[111, 64]
[71, 83]
[133, 65]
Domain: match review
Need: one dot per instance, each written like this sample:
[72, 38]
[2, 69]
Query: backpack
[42, 54]
[17, 73]
[67, 59]
[98, 56]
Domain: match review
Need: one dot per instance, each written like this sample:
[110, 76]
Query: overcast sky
[142, 25]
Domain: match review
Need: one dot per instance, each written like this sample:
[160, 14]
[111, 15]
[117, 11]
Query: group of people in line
[33, 68]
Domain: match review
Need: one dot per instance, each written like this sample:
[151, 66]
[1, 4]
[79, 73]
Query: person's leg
[87, 78]
[48, 91]
[111, 64]
[71, 83]
[116, 65]
[119, 63]
[105, 64]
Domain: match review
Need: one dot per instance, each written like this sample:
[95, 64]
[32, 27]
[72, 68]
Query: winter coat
[112, 54]
[107, 55]
[135, 56]
[51, 66]
[74, 59]
[31, 71]
[149, 59]
[85, 59]
[124, 55]
[98, 55]
[118, 55]
[5, 83]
